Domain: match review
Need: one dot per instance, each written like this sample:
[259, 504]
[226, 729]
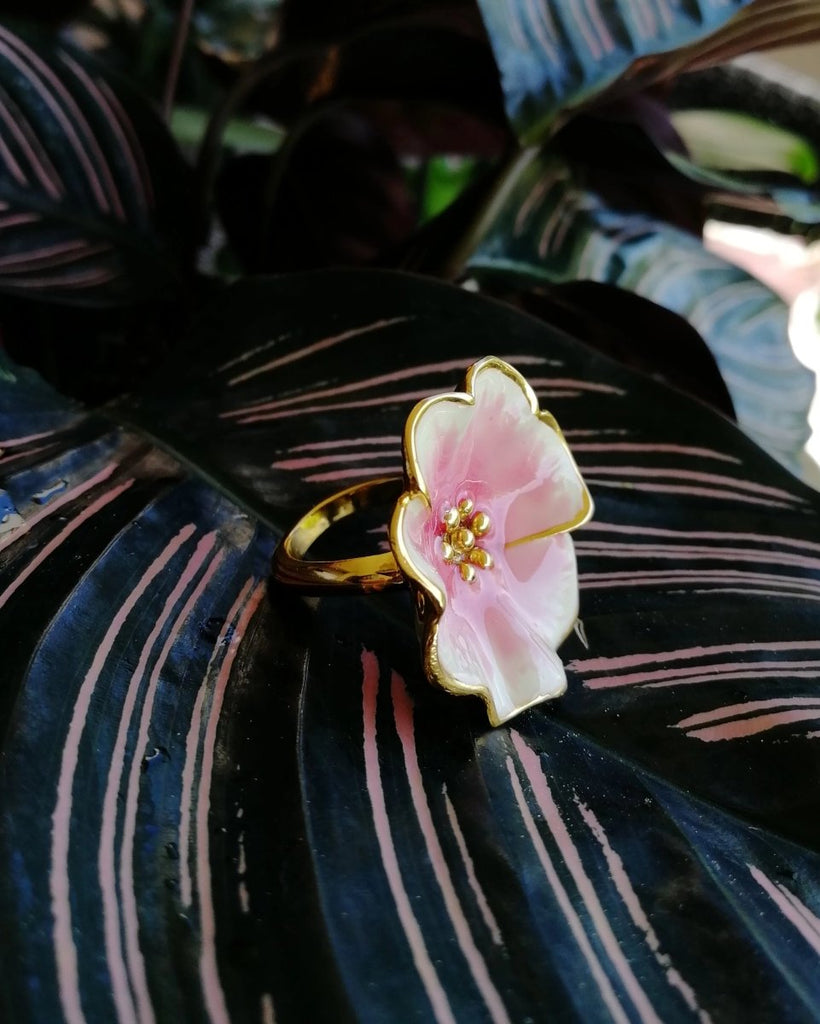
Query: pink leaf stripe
[737, 721]
[454, 366]
[576, 927]
[724, 536]
[192, 751]
[405, 398]
[284, 407]
[120, 803]
[795, 912]
[128, 975]
[695, 553]
[208, 972]
[6, 460]
[45, 552]
[64, 124]
[63, 938]
[54, 95]
[314, 347]
[15, 442]
[683, 577]
[478, 892]
[713, 665]
[58, 503]
[620, 879]
[33, 159]
[403, 712]
[565, 847]
[442, 1013]
[560, 835]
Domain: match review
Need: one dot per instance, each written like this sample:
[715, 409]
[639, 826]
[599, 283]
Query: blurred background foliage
[153, 151]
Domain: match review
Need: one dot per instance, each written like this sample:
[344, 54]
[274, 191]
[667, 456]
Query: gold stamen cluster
[462, 528]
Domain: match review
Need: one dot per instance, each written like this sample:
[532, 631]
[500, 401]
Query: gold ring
[481, 534]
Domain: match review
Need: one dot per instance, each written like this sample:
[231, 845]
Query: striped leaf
[94, 205]
[753, 138]
[223, 806]
[554, 54]
[549, 229]
[558, 54]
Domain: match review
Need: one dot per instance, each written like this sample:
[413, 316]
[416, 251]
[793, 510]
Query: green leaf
[189, 124]
[219, 801]
[444, 180]
[547, 228]
[95, 202]
[753, 139]
[726, 140]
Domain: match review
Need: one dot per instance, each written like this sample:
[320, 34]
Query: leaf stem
[181, 30]
[209, 152]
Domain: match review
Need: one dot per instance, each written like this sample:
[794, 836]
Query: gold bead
[451, 518]
[464, 539]
[465, 507]
[467, 572]
[483, 559]
[447, 551]
[480, 524]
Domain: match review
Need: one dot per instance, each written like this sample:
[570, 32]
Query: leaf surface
[548, 228]
[218, 803]
[554, 54]
[94, 204]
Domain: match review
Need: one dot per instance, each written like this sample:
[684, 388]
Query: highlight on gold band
[481, 533]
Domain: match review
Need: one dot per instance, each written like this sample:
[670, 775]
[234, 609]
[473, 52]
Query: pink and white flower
[482, 534]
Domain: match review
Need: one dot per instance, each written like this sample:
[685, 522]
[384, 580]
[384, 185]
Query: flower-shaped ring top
[482, 535]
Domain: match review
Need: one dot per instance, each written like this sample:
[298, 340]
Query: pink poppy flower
[482, 534]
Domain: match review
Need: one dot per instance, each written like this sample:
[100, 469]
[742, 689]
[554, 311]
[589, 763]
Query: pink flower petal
[414, 529]
[501, 454]
[541, 579]
[499, 657]
[497, 634]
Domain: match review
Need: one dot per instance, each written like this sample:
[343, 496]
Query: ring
[481, 534]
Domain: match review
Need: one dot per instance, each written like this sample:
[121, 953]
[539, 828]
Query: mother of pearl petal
[417, 554]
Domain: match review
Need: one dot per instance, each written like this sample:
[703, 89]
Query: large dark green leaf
[548, 228]
[94, 199]
[335, 196]
[219, 805]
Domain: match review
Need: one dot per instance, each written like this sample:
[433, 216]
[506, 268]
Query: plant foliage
[219, 801]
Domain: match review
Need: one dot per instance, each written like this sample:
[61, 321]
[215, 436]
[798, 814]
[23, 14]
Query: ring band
[481, 534]
[368, 573]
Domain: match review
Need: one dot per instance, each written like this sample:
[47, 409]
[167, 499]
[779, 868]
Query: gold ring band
[367, 573]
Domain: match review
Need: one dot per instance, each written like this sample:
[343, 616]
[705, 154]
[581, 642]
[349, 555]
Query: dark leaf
[330, 20]
[387, 62]
[95, 204]
[627, 327]
[551, 230]
[750, 89]
[217, 804]
[614, 151]
[48, 12]
[754, 142]
[435, 247]
[335, 195]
